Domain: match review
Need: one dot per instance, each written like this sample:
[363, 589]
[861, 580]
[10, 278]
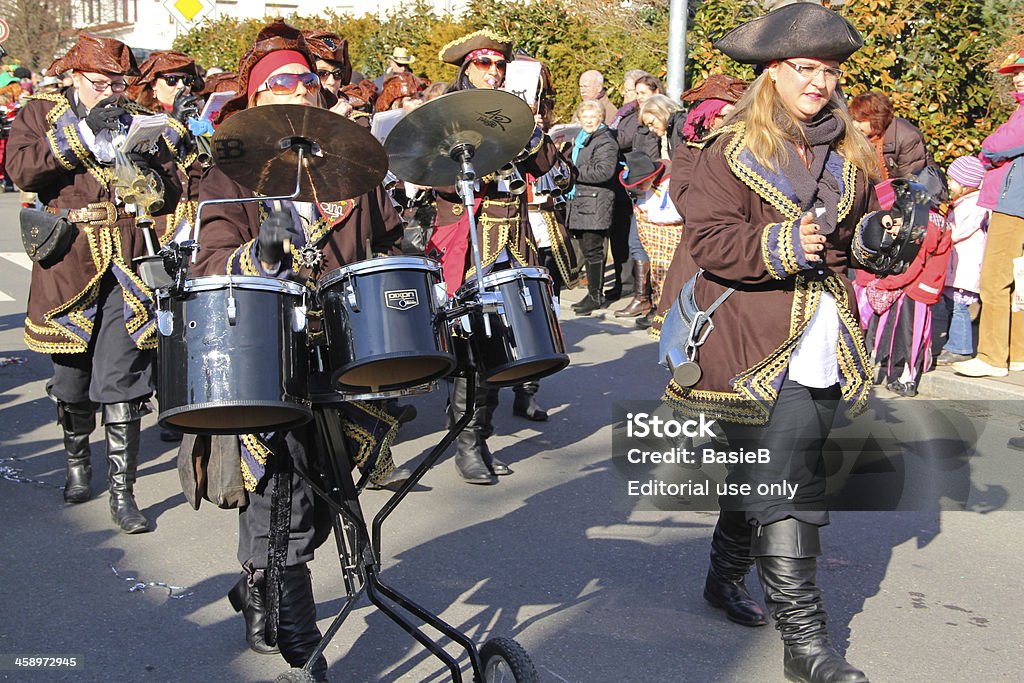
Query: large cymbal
[496, 123]
[254, 148]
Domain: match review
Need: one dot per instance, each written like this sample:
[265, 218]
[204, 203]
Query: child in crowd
[968, 224]
[899, 333]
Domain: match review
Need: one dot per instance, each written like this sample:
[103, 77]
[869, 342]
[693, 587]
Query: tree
[39, 29]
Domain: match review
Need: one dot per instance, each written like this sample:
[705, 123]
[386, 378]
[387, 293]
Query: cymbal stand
[359, 547]
[463, 153]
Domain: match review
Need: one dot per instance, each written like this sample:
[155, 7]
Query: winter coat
[592, 204]
[968, 223]
[904, 150]
[1002, 153]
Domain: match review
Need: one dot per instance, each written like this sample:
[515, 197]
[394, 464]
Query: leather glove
[139, 159]
[185, 106]
[274, 230]
[105, 115]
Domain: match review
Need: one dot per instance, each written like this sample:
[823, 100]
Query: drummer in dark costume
[87, 306]
[250, 239]
[505, 241]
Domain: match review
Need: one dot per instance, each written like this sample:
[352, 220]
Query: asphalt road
[596, 589]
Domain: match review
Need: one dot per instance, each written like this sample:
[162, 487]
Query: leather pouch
[45, 236]
[209, 468]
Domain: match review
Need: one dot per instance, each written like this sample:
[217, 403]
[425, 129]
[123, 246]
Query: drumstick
[287, 246]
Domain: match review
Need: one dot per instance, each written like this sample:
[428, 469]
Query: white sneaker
[976, 367]
[1016, 366]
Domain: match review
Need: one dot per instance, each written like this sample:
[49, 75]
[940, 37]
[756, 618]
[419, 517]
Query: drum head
[234, 419]
[393, 373]
[527, 372]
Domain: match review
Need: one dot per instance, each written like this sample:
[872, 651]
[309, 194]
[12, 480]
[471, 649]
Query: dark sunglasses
[485, 63]
[173, 80]
[336, 73]
[286, 84]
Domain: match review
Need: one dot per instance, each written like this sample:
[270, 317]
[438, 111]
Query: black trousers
[794, 436]
[591, 245]
[310, 516]
[114, 369]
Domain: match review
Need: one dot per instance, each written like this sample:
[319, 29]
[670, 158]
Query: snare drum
[525, 342]
[383, 328]
[233, 357]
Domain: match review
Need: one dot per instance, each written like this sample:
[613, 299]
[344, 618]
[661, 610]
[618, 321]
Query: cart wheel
[295, 676]
[505, 661]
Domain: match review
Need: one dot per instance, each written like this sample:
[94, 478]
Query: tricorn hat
[275, 36]
[401, 56]
[455, 52]
[716, 87]
[98, 54]
[640, 167]
[162, 62]
[803, 29]
[330, 47]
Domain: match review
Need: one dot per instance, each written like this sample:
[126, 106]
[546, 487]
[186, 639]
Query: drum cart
[499, 660]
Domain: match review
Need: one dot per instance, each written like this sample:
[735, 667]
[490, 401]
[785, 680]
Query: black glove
[139, 159]
[274, 230]
[186, 106]
[105, 115]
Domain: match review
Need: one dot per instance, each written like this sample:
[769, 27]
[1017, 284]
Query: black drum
[383, 328]
[525, 342]
[233, 357]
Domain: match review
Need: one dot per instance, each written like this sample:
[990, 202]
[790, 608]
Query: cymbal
[256, 148]
[497, 124]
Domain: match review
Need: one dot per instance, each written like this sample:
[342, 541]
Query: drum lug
[525, 296]
[298, 319]
[352, 294]
[165, 322]
[440, 295]
[232, 308]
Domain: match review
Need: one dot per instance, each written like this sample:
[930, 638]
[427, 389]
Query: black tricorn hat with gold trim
[455, 52]
[803, 29]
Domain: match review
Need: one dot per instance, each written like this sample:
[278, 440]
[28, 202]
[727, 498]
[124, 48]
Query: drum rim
[208, 283]
[379, 264]
[501, 277]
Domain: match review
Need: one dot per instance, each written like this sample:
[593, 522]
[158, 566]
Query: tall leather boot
[247, 597]
[787, 553]
[525, 403]
[487, 400]
[725, 586]
[640, 304]
[77, 420]
[470, 444]
[297, 632]
[122, 423]
[592, 301]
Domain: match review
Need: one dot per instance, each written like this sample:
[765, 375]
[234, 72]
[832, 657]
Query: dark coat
[741, 223]
[597, 166]
[904, 149]
[45, 155]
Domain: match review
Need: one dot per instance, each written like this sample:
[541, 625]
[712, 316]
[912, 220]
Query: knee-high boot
[297, 632]
[247, 597]
[77, 420]
[471, 442]
[595, 282]
[525, 403]
[725, 586]
[122, 422]
[787, 553]
[640, 304]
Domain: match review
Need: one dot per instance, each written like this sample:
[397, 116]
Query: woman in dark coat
[900, 145]
[787, 350]
[595, 155]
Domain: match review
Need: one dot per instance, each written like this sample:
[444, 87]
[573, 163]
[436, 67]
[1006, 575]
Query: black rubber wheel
[295, 676]
[505, 661]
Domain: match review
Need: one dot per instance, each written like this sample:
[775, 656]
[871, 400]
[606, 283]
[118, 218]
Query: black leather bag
[45, 236]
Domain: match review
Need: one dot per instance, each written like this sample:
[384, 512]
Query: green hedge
[932, 57]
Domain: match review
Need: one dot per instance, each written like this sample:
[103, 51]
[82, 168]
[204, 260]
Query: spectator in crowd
[399, 61]
[590, 203]
[899, 144]
[968, 224]
[628, 98]
[1000, 332]
[592, 88]
[664, 119]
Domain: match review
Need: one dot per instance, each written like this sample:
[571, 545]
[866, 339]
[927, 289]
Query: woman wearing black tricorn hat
[779, 206]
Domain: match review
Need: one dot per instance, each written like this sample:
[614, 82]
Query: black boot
[77, 420]
[725, 587]
[122, 422]
[525, 403]
[614, 293]
[787, 563]
[592, 301]
[247, 597]
[470, 444]
[297, 632]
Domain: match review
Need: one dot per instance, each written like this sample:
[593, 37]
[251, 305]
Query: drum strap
[280, 527]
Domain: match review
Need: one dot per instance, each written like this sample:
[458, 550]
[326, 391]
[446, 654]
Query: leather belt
[99, 213]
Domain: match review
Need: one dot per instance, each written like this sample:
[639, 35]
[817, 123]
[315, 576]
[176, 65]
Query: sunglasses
[173, 80]
[324, 75]
[486, 62]
[286, 84]
[101, 86]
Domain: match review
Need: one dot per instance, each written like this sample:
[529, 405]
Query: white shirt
[814, 362]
